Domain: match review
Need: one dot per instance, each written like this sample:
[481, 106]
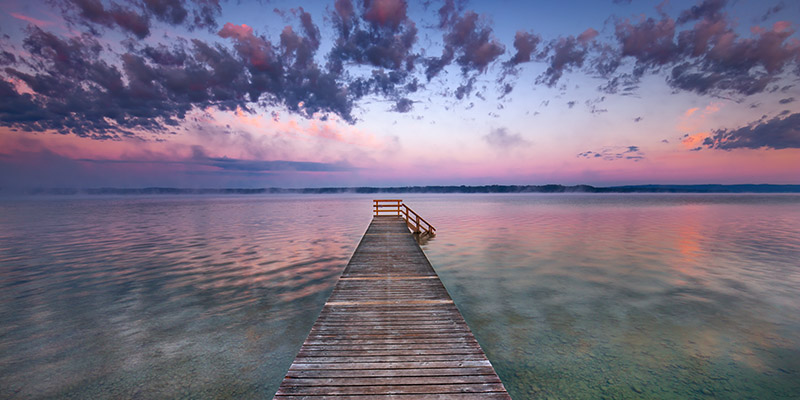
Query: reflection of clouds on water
[660, 295]
[165, 296]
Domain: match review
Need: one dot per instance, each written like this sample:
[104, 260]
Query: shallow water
[571, 296]
[164, 297]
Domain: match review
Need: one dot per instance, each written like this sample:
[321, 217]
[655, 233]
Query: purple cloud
[468, 41]
[776, 133]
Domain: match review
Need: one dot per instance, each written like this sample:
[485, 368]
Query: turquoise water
[571, 296]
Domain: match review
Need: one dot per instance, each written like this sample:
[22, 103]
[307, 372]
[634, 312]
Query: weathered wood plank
[427, 396]
[348, 373]
[392, 389]
[394, 380]
[392, 365]
[390, 330]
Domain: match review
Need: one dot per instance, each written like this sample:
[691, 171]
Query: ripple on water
[164, 297]
[571, 296]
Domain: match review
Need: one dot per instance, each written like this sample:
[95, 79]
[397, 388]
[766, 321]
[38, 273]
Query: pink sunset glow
[663, 94]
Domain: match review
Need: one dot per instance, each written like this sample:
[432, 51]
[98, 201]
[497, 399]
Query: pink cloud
[587, 35]
[386, 12]
[257, 50]
[37, 22]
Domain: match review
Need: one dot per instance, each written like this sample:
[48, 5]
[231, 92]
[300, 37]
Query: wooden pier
[389, 329]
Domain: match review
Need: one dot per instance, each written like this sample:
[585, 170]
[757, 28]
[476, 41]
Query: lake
[570, 295]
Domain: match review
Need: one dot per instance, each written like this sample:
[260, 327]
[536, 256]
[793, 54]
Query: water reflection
[571, 296]
[164, 297]
[627, 296]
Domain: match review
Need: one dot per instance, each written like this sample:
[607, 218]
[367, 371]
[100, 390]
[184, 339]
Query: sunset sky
[212, 93]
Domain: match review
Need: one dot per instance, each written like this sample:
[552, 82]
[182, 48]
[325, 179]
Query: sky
[220, 94]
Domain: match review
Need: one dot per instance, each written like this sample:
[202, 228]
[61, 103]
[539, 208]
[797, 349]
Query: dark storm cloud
[776, 133]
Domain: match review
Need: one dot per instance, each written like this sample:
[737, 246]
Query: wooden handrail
[415, 222]
[387, 206]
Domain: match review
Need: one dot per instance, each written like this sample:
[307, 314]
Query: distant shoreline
[742, 188]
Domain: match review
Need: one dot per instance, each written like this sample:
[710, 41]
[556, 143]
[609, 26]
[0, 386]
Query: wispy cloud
[500, 139]
[35, 21]
[613, 153]
[781, 132]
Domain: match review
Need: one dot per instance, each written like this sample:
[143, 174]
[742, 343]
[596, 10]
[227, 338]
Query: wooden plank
[390, 330]
[392, 389]
[395, 380]
[427, 396]
[347, 373]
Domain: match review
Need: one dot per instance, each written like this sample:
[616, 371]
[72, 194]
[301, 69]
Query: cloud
[79, 84]
[75, 91]
[93, 11]
[403, 106]
[469, 42]
[613, 153]
[708, 57]
[776, 133]
[708, 10]
[138, 19]
[565, 54]
[525, 43]
[649, 42]
[37, 22]
[256, 50]
[786, 100]
[226, 163]
[773, 11]
[383, 36]
[500, 139]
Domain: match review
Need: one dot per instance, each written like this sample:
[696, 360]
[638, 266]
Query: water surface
[571, 296]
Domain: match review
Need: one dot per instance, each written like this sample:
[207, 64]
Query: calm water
[571, 296]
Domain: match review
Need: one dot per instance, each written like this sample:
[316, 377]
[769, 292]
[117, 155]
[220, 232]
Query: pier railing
[416, 223]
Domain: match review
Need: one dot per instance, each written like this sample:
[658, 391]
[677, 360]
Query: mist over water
[571, 296]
